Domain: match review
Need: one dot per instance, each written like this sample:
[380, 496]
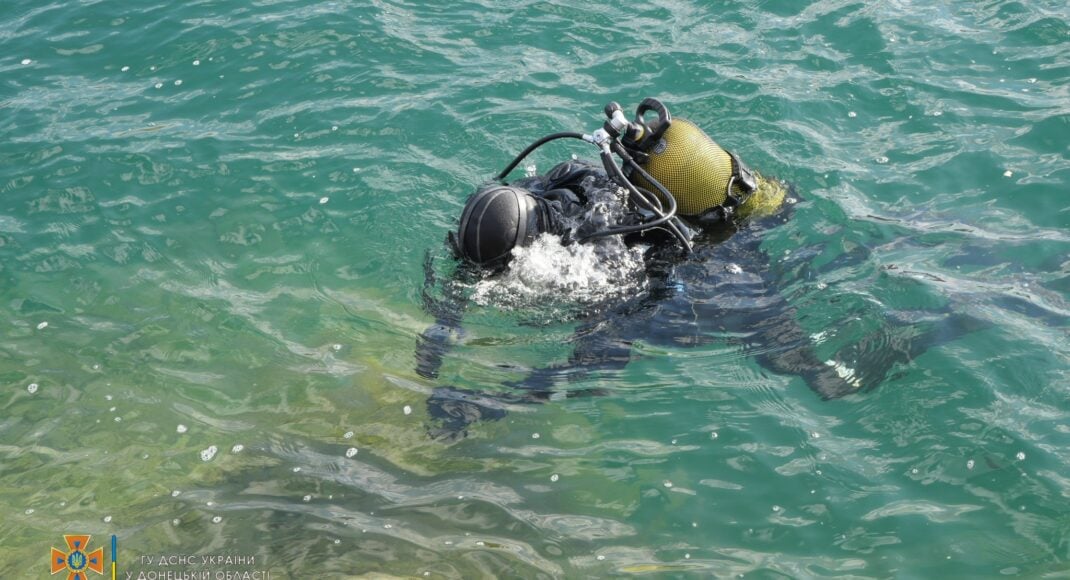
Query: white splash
[549, 273]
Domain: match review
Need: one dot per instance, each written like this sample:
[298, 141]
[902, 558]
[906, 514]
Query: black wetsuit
[726, 287]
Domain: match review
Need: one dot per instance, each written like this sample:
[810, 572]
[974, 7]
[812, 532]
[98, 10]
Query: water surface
[213, 221]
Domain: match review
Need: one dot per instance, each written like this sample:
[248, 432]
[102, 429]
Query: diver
[700, 212]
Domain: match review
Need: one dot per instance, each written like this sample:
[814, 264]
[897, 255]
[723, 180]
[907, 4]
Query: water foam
[548, 273]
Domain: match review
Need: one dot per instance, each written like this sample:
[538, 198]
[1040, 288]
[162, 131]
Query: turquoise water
[213, 220]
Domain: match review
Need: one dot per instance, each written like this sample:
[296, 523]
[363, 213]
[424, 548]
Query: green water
[221, 211]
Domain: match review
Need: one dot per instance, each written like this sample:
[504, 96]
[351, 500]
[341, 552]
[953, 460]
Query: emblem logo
[77, 559]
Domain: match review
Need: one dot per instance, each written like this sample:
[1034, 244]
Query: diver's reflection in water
[726, 286]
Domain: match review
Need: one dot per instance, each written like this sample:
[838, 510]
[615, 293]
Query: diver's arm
[788, 350]
[437, 340]
[433, 344]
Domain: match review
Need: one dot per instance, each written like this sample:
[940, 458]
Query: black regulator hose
[640, 197]
[643, 201]
[672, 225]
[536, 145]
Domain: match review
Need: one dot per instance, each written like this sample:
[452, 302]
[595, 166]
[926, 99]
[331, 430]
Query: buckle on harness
[744, 178]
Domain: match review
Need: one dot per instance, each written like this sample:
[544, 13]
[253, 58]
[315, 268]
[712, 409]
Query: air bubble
[217, 519]
[307, 498]
[1008, 173]
[26, 61]
[600, 557]
[32, 388]
[324, 200]
[667, 484]
[175, 493]
[42, 326]
[852, 114]
[181, 428]
[237, 448]
[969, 464]
[175, 522]
[107, 519]
[535, 435]
[297, 470]
[158, 85]
[208, 454]
[554, 477]
[178, 83]
[196, 63]
[351, 452]
[714, 435]
[336, 347]
[348, 435]
[29, 511]
[407, 410]
[124, 69]
[1020, 456]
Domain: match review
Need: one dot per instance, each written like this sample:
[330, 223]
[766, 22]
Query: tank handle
[652, 134]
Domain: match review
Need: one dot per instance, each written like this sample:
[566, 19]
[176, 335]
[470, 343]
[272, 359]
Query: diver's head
[497, 219]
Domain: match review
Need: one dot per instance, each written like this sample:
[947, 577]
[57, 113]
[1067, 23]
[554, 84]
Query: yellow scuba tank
[694, 168]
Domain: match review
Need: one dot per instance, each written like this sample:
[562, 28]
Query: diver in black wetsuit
[724, 283]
